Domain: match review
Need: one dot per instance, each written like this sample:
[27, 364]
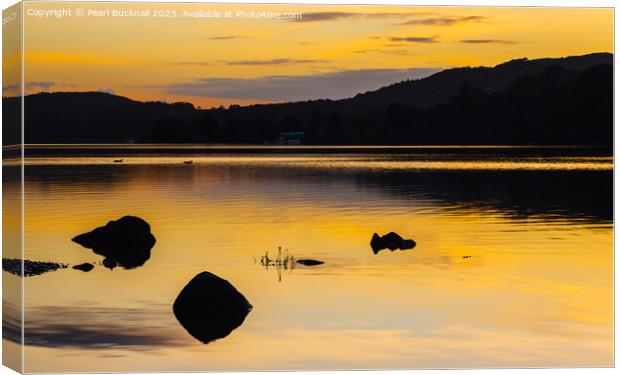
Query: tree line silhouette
[547, 101]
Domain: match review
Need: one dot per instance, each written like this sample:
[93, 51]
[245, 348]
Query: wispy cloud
[42, 85]
[278, 61]
[281, 61]
[107, 90]
[398, 52]
[325, 16]
[415, 39]
[227, 37]
[335, 16]
[444, 21]
[488, 41]
[36, 86]
[12, 89]
[191, 63]
[283, 88]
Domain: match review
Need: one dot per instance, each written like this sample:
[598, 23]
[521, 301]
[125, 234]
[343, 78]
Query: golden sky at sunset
[331, 52]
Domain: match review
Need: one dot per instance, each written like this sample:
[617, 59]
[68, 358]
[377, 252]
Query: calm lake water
[513, 265]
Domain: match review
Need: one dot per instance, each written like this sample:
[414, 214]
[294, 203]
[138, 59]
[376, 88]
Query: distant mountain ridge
[460, 105]
[439, 87]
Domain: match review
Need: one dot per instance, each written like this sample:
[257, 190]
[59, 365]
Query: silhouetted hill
[72, 117]
[544, 101]
[439, 87]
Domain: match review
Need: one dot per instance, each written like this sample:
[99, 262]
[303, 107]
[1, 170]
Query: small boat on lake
[118, 160]
[188, 162]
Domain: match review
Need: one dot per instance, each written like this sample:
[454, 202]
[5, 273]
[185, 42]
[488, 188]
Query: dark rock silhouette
[86, 267]
[31, 268]
[210, 308]
[390, 241]
[309, 262]
[377, 243]
[126, 242]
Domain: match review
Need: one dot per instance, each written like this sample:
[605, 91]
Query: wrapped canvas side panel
[12, 188]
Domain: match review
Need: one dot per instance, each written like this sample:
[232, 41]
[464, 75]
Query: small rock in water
[31, 268]
[86, 267]
[390, 241]
[309, 262]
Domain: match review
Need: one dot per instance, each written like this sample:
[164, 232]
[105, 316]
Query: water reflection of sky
[535, 292]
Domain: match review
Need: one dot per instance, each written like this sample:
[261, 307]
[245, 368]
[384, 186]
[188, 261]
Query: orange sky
[331, 52]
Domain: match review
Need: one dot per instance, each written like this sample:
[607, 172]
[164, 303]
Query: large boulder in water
[210, 308]
[127, 241]
[391, 241]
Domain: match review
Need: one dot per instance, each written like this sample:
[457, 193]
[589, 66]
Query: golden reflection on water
[355, 161]
[535, 292]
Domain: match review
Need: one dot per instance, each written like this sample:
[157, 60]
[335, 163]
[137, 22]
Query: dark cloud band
[274, 62]
[444, 21]
[415, 39]
[336, 16]
[283, 88]
[488, 41]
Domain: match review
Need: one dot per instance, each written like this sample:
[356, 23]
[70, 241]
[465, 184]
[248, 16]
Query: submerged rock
[309, 262]
[86, 267]
[390, 241]
[126, 242]
[210, 308]
[31, 268]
